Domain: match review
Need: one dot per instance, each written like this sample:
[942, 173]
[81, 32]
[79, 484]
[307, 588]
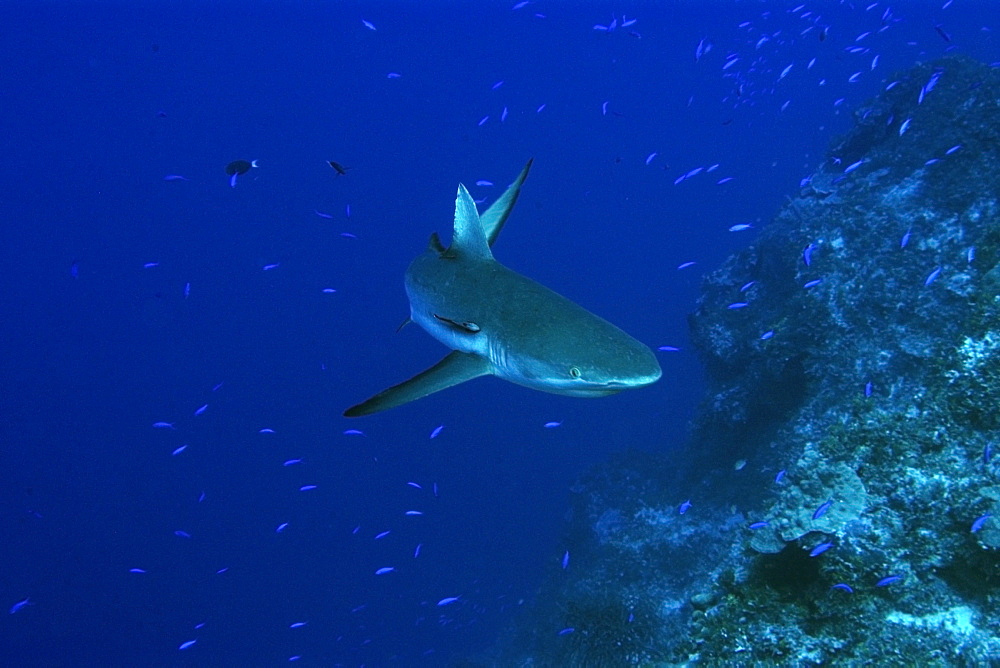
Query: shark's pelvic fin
[456, 367]
[494, 217]
[468, 239]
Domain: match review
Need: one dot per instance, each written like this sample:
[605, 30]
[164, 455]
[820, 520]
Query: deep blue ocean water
[129, 299]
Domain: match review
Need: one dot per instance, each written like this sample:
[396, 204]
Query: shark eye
[574, 371]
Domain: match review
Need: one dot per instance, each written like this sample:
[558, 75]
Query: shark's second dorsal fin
[496, 215]
[468, 239]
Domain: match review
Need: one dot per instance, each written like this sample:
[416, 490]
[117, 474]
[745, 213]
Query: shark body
[498, 322]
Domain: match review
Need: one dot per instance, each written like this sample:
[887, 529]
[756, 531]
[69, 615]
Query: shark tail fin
[497, 214]
[456, 367]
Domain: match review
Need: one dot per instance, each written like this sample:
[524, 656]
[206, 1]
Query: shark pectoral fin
[456, 367]
[463, 326]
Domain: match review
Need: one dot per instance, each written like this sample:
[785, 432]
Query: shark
[500, 323]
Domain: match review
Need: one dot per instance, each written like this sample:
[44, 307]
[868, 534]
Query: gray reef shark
[498, 322]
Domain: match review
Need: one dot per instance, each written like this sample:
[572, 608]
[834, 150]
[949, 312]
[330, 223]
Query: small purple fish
[175, 177]
[843, 587]
[888, 580]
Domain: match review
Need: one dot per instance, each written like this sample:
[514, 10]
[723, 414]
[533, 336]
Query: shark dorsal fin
[469, 238]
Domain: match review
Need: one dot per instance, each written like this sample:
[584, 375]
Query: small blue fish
[382, 535]
[807, 254]
[566, 631]
[813, 283]
[843, 587]
[385, 570]
[163, 425]
[685, 265]
[758, 525]
[437, 430]
[20, 604]
[565, 560]
[987, 453]
[905, 238]
[281, 527]
[448, 600]
[737, 305]
[933, 275]
[888, 580]
[780, 476]
[868, 389]
[416, 552]
[186, 645]
[297, 625]
[766, 335]
[850, 168]
[292, 462]
[980, 521]
[820, 549]
[825, 506]
[683, 508]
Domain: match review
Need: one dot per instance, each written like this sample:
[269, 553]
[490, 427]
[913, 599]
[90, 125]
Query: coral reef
[860, 389]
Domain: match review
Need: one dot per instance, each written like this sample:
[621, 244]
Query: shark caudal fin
[456, 367]
[497, 214]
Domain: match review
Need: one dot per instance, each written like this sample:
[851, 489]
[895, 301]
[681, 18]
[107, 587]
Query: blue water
[100, 102]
